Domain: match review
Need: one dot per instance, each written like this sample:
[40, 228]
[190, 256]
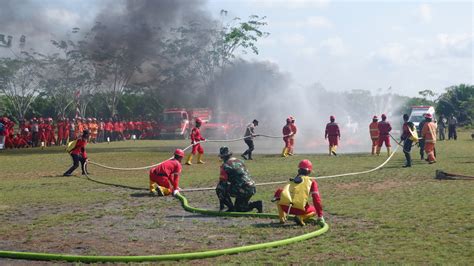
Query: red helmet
[306, 164]
[375, 117]
[332, 117]
[384, 116]
[198, 120]
[179, 152]
[428, 116]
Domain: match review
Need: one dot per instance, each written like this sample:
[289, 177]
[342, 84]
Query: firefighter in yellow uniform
[294, 197]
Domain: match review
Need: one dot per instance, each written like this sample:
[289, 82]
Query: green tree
[20, 81]
[457, 101]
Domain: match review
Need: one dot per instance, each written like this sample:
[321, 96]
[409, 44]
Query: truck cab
[174, 123]
[417, 114]
[178, 122]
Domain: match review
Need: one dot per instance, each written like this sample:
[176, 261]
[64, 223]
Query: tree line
[91, 75]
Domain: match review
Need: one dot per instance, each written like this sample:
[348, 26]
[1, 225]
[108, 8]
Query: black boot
[408, 159]
[257, 205]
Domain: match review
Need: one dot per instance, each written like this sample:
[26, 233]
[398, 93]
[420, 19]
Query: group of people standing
[43, 132]
[451, 124]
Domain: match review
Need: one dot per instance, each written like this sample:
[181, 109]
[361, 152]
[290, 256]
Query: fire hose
[443, 175]
[212, 188]
[192, 255]
[186, 148]
[177, 256]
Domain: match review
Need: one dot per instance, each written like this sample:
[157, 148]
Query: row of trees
[457, 100]
[95, 76]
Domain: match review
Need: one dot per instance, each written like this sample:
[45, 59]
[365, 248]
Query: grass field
[394, 215]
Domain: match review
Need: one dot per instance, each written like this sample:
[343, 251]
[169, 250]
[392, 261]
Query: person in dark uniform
[235, 181]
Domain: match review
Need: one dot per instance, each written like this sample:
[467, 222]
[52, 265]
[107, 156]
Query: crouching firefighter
[235, 181]
[164, 178]
[293, 198]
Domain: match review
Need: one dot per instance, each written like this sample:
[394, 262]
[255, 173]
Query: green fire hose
[177, 256]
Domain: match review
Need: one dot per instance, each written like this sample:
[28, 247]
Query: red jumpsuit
[196, 137]
[286, 132]
[384, 130]
[80, 148]
[166, 175]
[61, 135]
[51, 136]
[292, 138]
[42, 131]
[332, 133]
[19, 141]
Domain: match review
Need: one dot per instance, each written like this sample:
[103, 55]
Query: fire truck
[417, 113]
[224, 126]
[177, 123]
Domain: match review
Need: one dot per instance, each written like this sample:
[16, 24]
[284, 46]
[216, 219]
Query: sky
[342, 45]
[370, 45]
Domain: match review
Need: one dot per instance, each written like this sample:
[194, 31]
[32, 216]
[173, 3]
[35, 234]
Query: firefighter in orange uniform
[294, 197]
[195, 139]
[374, 133]
[94, 129]
[428, 133]
[287, 133]
[164, 178]
[79, 127]
[333, 135]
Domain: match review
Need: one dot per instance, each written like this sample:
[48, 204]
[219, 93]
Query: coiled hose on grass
[176, 256]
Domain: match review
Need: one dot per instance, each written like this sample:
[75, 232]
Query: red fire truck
[224, 126]
[178, 122]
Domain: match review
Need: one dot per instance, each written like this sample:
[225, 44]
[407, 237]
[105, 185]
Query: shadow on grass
[288, 224]
[142, 195]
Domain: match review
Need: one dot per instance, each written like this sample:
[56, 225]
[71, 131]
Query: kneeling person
[164, 178]
[235, 181]
[293, 198]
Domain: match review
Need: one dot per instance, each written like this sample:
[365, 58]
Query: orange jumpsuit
[428, 133]
[374, 135]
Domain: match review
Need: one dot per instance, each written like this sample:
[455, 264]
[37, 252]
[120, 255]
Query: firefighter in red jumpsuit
[292, 137]
[164, 178]
[374, 133]
[294, 197]
[333, 134]
[79, 154]
[61, 135]
[384, 131]
[195, 139]
[287, 133]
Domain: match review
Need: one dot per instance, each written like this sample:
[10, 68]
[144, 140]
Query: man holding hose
[164, 178]
[294, 197]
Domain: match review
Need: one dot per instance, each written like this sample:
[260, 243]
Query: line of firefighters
[45, 132]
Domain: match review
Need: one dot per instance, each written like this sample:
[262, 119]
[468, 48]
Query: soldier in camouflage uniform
[235, 181]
